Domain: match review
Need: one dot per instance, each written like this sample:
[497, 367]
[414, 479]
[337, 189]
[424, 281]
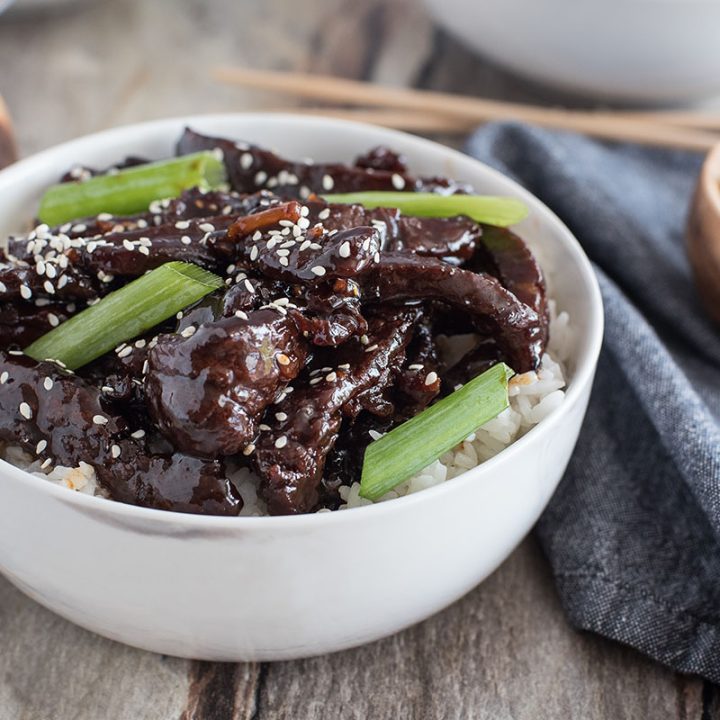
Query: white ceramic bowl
[636, 50]
[286, 587]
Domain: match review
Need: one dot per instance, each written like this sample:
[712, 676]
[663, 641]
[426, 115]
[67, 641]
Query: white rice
[533, 396]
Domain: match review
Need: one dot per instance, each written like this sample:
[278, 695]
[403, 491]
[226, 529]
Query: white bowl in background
[273, 588]
[634, 50]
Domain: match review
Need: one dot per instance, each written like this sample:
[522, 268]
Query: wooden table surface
[503, 651]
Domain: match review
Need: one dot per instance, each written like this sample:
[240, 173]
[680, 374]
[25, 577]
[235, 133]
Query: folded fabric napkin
[633, 531]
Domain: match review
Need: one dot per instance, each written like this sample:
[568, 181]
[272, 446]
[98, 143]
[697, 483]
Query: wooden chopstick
[342, 91]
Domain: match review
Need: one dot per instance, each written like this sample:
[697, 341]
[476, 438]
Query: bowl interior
[572, 281]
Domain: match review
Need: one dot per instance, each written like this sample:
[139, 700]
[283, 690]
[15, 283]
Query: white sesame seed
[25, 410]
[50, 271]
[318, 270]
[374, 434]
[189, 331]
[48, 383]
[305, 245]
[138, 434]
[284, 261]
[100, 420]
[4, 377]
[398, 181]
[324, 214]
[79, 228]
[90, 247]
[40, 447]
[328, 183]
[415, 366]
[25, 292]
[246, 160]
[315, 381]
[345, 250]
[140, 343]
[281, 416]
[107, 389]
[46, 464]
[104, 217]
[257, 235]
[376, 257]
[371, 348]
[263, 427]
[240, 314]
[115, 451]
[331, 377]
[125, 352]
[254, 253]
[249, 449]
[15, 352]
[53, 319]
[282, 252]
[315, 246]
[128, 245]
[260, 177]
[281, 442]
[297, 230]
[3, 287]
[40, 267]
[63, 281]
[207, 227]
[143, 250]
[186, 240]
[303, 223]
[249, 286]
[49, 287]
[364, 339]
[182, 224]
[344, 366]
[286, 223]
[431, 378]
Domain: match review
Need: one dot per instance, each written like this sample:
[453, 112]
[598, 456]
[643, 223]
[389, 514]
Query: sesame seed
[4, 377]
[318, 270]
[398, 181]
[115, 451]
[189, 331]
[100, 420]
[15, 352]
[324, 214]
[186, 240]
[104, 217]
[431, 378]
[257, 235]
[344, 366]
[315, 246]
[25, 410]
[25, 292]
[143, 250]
[249, 286]
[53, 319]
[80, 227]
[40, 267]
[207, 227]
[254, 253]
[415, 366]
[50, 271]
[179, 315]
[303, 223]
[107, 389]
[286, 223]
[305, 245]
[246, 161]
[374, 434]
[376, 257]
[260, 177]
[328, 183]
[315, 381]
[138, 434]
[49, 287]
[48, 383]
[289, 244]
[125, 352]
[282, 253]
[40, 447]
[46, 464]
[364, 339]
[281, 416]
[3, 287]
[127, 244]
[263, 427]
[140, 344]
[281, 442]
[249, 449]
[331, 377]
[182, 224]
[345, 250]
[371, 348]
[284, 261]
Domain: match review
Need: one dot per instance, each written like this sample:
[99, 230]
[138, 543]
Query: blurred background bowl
[651, 51]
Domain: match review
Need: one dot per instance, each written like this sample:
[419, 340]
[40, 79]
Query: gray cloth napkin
[633, 531]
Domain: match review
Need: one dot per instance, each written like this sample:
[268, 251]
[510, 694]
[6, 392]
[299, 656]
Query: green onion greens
[130, 190]
[500, 211]
[410, 447]
[125, 314]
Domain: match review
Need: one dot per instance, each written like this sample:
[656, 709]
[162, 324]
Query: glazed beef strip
[210, 408]
[486, 303]
[251, 168]
[59, 417]
[290, 456]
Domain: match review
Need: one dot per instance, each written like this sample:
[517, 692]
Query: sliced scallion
[131, 190]
[125, 314]
[410, 447]
[500, 211]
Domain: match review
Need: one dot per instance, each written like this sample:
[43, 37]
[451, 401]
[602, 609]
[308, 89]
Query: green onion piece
[125, 314]
[500, 211]
[132, 190]
[413, 445]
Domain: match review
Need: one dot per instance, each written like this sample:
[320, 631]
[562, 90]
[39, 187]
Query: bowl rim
[583, 373]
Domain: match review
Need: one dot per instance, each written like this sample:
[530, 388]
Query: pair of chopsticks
[435, 112]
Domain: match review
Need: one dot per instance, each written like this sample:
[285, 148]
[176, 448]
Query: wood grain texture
[505, 650]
